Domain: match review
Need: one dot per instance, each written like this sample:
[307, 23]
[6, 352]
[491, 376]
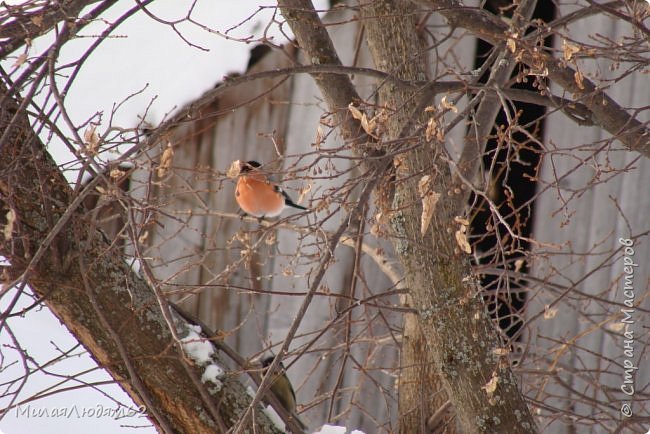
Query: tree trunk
[458, 331]
[399, 52]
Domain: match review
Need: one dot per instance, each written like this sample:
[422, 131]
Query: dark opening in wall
[511, 164]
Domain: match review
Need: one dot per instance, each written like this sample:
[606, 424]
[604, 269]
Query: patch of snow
[212, 373]
[274, 417]
[196, 347]
[332, 429]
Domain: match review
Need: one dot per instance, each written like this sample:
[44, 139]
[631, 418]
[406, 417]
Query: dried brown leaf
[366, 124]
[20, 60]
[491, 386]
[37, 20]
[165, 161]
[91, 140]
[519, 263]
[234, 169]
[320, 134]
[116, 174]
[9, 227]
[271, 238]
[429, 200]
[569, 50]
[616, 326]
[461, 240]
[579, 78]
[430, 132]
[303, 192]
[401, 165]
[448, 105]
[549, 312]
[143, 237]
[424, 185]
[356, 113]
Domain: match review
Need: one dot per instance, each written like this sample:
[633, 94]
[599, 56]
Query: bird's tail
[289, 202]
[297, 421]
[295, 205]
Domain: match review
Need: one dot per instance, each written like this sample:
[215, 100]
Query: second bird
[257, 195]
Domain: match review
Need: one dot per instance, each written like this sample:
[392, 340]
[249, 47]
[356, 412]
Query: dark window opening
[511, 187]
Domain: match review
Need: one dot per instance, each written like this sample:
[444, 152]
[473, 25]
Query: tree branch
[490, 106]
[608, 114]
[28, 25]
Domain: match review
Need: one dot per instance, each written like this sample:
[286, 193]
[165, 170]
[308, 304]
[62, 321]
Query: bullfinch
[258, 196]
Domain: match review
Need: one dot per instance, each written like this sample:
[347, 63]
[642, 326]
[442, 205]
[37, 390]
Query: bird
[257, 196]
[281, 386]
[282, 389]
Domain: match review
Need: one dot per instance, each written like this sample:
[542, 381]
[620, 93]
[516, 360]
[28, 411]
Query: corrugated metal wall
[196, 244]
[192, 241]
[592, 192]
[197, 249]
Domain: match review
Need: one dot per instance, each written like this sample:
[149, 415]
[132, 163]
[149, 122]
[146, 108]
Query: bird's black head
[250, 165]
[266, 361]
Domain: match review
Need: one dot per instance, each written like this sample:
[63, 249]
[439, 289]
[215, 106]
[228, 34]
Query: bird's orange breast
[258, 198]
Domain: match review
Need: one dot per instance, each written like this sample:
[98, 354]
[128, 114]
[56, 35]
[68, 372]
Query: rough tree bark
[397, 52]
[458, 332]
[31, 23]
